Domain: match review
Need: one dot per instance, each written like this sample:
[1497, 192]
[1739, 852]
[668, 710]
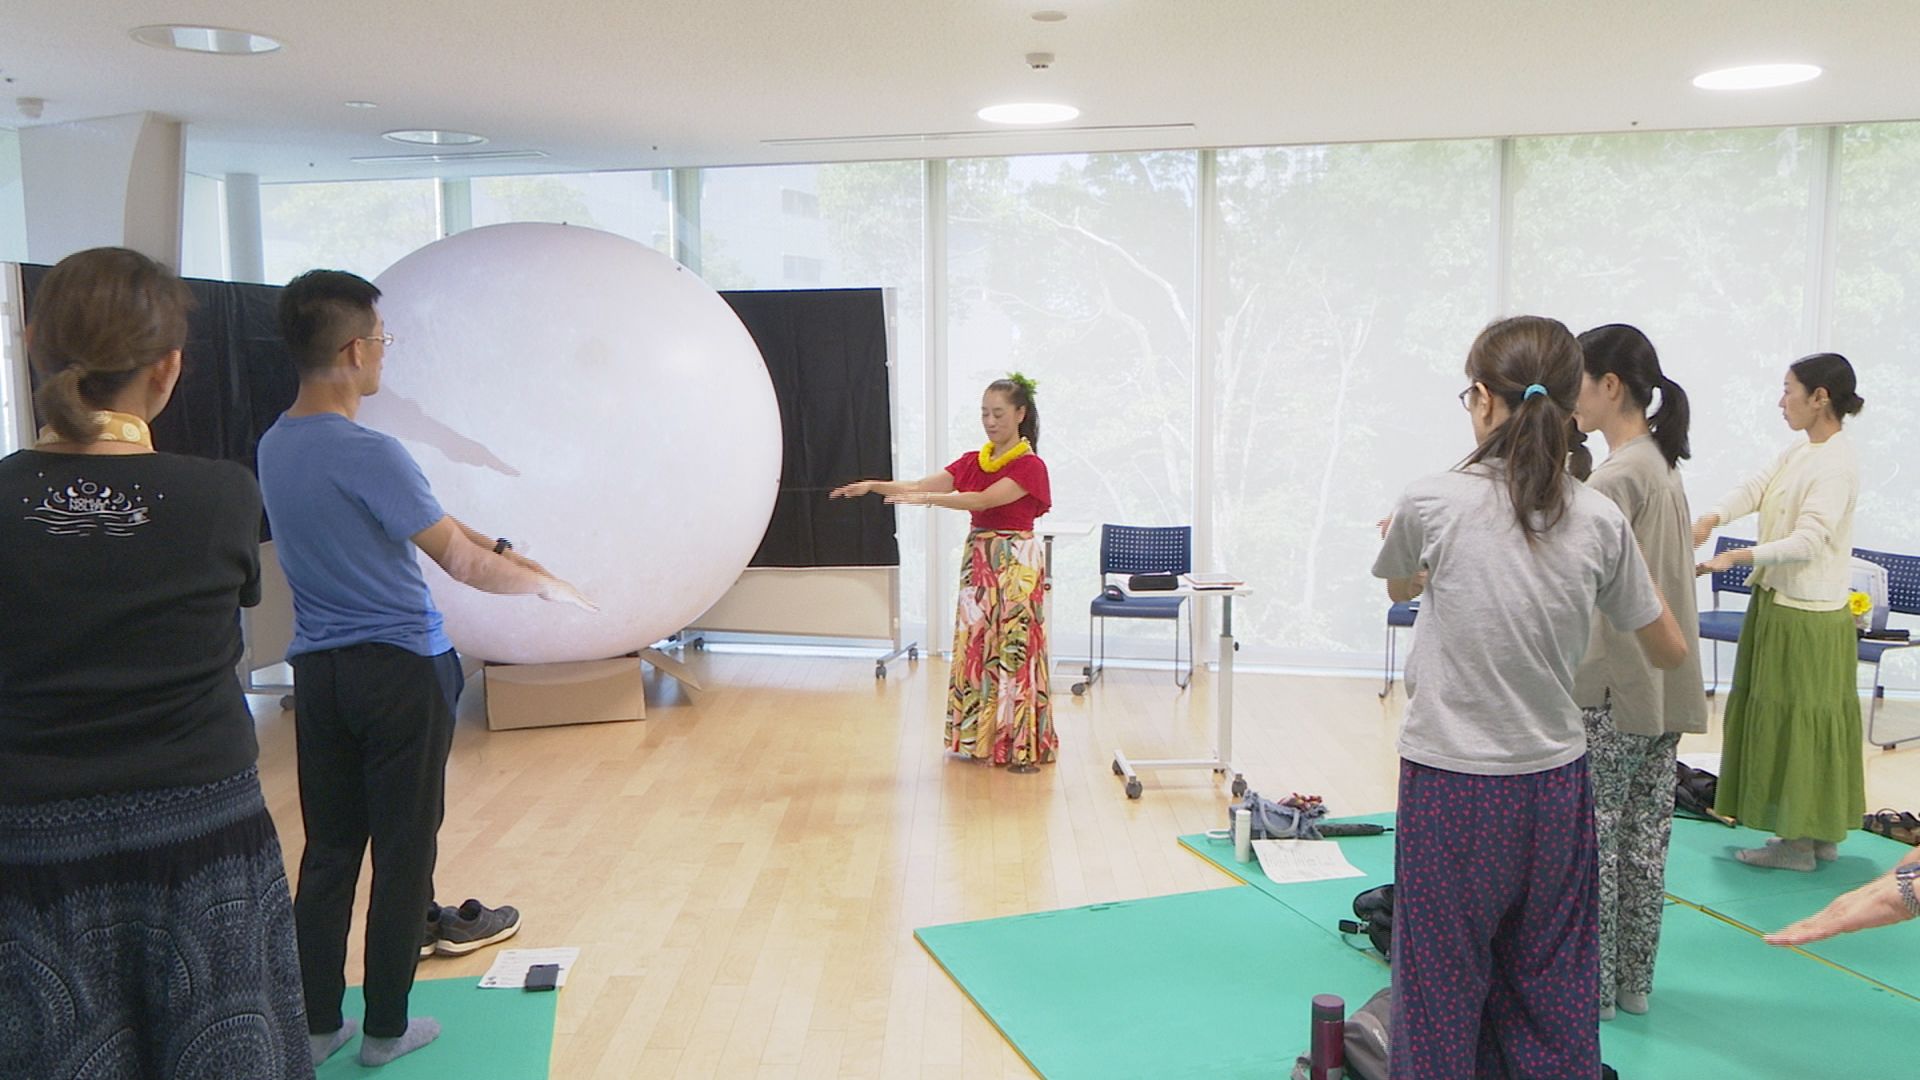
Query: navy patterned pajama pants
[1496, 950]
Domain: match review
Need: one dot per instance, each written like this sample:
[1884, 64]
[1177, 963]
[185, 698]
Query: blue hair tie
[1533, 389]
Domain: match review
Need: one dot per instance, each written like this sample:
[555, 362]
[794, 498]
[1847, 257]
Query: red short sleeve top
[1026, 470]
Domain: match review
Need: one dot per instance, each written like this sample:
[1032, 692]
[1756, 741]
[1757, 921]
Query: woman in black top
[145, 924]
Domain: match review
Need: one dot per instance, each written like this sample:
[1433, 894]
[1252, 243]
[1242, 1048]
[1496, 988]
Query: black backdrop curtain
[825, 349]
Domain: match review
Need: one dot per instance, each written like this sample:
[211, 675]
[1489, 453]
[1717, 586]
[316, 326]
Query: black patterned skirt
[148, 934]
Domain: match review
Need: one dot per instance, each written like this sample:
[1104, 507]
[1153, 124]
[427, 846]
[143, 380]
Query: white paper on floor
[509, 970]
[1287, 861]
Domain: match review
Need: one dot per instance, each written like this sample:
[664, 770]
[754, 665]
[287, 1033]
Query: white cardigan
[1805, 499]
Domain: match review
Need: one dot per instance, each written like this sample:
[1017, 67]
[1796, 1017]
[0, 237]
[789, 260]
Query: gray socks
[1784, 855]
[421, 1030]
[323, 1046]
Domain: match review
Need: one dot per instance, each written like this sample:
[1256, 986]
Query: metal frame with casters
[1903, 596]
[1399, 616]
[1221, 763]
[1141, 549]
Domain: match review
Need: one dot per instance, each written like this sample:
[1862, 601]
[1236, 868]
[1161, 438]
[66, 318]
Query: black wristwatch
[502, 546]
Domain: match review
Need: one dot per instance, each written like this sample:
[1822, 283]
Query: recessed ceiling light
[432, 137]
[1028, 113]
[362, 104]
[1049, 16]
[453, 157]
[1756, 76]
[206, 39]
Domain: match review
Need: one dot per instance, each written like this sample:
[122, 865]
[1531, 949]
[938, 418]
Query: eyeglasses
[1465, 395]
[386, 341]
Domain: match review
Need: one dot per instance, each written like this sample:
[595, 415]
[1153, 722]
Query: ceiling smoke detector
[1039, 61]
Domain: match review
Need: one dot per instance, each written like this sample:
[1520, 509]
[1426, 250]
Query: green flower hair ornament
[1024, 383]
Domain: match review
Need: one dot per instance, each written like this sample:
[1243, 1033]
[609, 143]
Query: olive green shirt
[1646, 700]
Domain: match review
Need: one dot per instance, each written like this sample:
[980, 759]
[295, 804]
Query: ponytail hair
[1019, 391]
[1624, 352]
[1533, 364]
[1830, 372]
[99, 319]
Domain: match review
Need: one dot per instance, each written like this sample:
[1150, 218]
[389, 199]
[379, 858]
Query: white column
[683, 189]
[112, 181]
[246, 253]
[456, 206]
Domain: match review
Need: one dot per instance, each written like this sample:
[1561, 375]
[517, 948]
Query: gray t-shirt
[1503, 624]
[1646, 700]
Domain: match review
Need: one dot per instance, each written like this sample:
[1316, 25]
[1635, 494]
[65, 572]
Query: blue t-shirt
[344, 502]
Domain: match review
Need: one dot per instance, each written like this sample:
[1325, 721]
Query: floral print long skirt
[997, 705]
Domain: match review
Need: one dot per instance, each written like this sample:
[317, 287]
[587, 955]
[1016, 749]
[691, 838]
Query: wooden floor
[743, 871]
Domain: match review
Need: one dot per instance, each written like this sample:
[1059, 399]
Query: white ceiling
[649, 83]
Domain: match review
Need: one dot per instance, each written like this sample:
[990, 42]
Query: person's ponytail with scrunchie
[1533, 364]
[1020, 391]
[99, 318]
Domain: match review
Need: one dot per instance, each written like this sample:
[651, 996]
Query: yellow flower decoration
[1859, 603]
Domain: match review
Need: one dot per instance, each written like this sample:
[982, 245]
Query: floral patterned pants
[1633, 820]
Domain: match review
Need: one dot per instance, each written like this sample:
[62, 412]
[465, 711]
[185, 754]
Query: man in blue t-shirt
[375, 678]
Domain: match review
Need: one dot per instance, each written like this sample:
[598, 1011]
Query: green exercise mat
[1206, 984]
[1701, 868]
[1727, 1004]
[1888, 955]
[484, 1035]
[1324, 903]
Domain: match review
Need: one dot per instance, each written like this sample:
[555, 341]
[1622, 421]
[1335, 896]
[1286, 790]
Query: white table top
[1064, 528]
[1186, 590]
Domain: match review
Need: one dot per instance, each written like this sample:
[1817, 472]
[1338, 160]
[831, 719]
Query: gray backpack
[1366, 1041]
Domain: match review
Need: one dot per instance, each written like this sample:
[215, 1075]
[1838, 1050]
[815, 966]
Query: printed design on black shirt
[84, 507]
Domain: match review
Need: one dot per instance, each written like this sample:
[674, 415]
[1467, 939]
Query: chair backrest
[1903, 578]
[1146, 549]
[1734, 580]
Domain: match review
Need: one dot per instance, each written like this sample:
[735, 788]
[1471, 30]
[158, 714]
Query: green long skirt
[1791, 763]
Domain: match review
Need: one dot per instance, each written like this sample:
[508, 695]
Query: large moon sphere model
[594, 402]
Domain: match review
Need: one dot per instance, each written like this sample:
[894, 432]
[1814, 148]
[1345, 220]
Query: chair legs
[1873, 714]
[1386, 671]
[1178, 680]
[1714, 686]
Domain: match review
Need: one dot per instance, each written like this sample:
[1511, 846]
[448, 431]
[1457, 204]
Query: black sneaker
[430, 936]
[474, 925]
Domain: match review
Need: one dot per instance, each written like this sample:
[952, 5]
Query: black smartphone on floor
[543, 976]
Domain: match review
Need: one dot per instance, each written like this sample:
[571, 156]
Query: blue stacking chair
[1903, 596]
[1140, 549]
[1399, 617]
[1720, 626]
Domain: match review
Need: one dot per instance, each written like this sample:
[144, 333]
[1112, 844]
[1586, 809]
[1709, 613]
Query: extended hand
[852, 491]
[1703, 528]
[559, 592]
[1719, 564]
[1877, 903]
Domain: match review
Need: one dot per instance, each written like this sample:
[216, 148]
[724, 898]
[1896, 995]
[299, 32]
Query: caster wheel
[1239, 786]
[913, 654]
[1079, 688]
[880, 671]
[1117, 770]
[1134, 789]
[287, 702]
